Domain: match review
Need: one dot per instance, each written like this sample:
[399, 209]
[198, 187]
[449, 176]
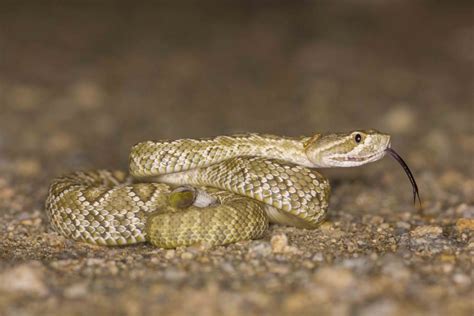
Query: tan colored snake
[214, 191]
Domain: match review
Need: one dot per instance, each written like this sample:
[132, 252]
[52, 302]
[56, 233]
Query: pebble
[358, 265]
[6, 191]
[334, 277]
[403, 225]
[173, 274]
[31, 221]
[25, 278]
[465, 210]
[395, 268]
[318, 257]
[227, 267]
[383, 307]
[462, 279]
[465, 224]
[447, 268]
[65, 264]
[376, 220]
[112, 267]
[279, 268]
[95, 261]
[427, 230]
[187, 255]
[260, 248]
[76, 290]
[279, 244]
[447, 258]
[170, 254]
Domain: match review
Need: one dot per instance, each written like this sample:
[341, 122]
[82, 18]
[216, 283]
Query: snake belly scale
[214, 191]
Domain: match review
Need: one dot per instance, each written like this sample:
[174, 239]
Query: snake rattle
[215, 191]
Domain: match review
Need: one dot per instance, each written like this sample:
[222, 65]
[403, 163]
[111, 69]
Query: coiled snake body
[214, 191]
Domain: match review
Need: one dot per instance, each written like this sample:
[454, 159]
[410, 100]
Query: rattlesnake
[214, 191]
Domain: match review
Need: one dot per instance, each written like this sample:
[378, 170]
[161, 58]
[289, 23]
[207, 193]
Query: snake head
[347, 149]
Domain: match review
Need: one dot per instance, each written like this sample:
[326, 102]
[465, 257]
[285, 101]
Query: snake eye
[357, 138]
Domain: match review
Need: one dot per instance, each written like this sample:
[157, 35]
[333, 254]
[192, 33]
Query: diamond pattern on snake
[211, 191]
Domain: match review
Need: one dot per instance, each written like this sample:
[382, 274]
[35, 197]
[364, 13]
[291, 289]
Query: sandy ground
[80, 84]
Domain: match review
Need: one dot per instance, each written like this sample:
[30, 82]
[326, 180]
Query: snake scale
[212, 191]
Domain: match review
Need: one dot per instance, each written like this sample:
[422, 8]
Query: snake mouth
[364, 158]
[408, 172]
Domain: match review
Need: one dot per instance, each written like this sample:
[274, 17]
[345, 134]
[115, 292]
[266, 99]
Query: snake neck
[289, 149]
[149, 159]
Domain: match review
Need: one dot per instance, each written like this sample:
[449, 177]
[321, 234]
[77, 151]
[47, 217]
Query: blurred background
[86, 80]
[82, 81]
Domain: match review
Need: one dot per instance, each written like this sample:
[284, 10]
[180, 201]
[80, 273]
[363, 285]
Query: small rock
[170, 254]
[6, 191]
[383, 307]
[358, 265]
[279, 244]
[31, 221]
[337, 278]
[395, 268]
[461, 279]
[308, 264]
[55, 240]
[25, 278]
[112, 267]
[447, 268]
[66, 265]
[326, 226]
[260, 248]
[376, 220]
[318, 257]
[173, 274]
[279, 268]
[465, 210]
[77, 290]
[187, 255]
[403, 225]
[227, 267]
[422, 231]
[95, 262]
[465, 224]
[447, 258]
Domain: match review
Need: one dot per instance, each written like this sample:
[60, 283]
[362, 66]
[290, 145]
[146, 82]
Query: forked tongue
[402, 162]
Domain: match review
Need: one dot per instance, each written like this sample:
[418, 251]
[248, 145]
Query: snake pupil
[358, 138]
